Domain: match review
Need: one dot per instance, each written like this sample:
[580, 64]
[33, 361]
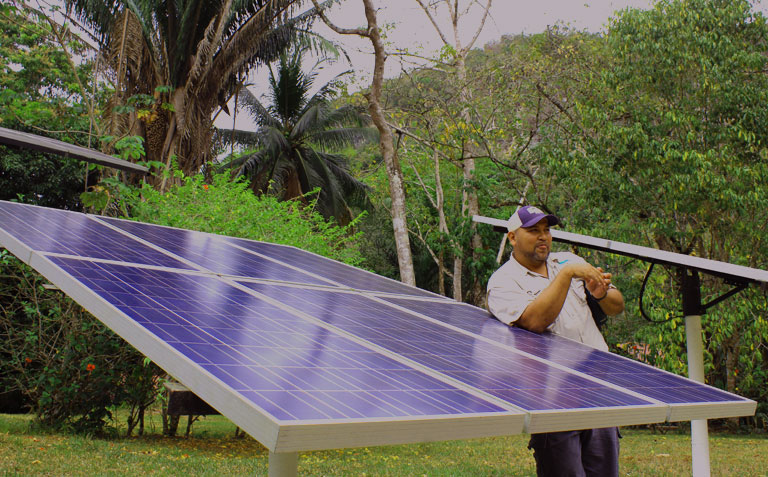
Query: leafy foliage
[672, 153]
[197, 53]
[227, 207]
[71, 368]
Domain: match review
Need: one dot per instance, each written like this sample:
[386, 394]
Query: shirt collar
[521, 271]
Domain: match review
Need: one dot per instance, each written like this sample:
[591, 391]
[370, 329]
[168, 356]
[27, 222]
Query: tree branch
[479, 28]
[337, 29]
[432, 20]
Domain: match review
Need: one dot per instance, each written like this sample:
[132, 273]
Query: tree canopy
[189, 57]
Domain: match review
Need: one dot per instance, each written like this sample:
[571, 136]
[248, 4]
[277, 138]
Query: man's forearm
[542, 311]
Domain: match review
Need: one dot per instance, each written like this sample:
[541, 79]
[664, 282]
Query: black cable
[642, 292]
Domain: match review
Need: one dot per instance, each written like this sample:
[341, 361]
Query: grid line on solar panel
[614, 369]
[337, 272]
[75, 234]
[277, 371]
[472, 361]
[213, 253]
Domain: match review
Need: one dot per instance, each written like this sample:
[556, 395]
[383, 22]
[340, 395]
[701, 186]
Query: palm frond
[258, 111]
[325, 49]
[289, 87]
[339, 186]
[236, 164]
[228, 137]
[337, 165]
[255, 38]
[342, 137]
[96, 15]
[347, 115]
[308, 122]
[326, 93]
[274, 140]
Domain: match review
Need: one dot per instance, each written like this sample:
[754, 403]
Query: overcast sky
[408, 26]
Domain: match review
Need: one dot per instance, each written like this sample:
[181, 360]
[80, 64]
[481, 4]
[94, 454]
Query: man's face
[532, 244]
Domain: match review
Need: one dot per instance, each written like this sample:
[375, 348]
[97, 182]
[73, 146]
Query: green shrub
[227, 207]
[71, 368]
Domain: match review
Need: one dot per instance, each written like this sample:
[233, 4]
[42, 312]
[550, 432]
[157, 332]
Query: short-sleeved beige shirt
[513, 287]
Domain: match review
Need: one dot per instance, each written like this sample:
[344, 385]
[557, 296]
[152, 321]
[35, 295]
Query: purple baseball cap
[528, 216]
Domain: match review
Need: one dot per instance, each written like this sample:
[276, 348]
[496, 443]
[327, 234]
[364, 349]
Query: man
[541, 292]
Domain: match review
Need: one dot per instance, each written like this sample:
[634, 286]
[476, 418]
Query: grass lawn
[213, 450]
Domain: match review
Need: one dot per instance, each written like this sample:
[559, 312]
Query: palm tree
[190, 56]
[294, 133]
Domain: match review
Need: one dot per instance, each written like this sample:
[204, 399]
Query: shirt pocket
[531, 289]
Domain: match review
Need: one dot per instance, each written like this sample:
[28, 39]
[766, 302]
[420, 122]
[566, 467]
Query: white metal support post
[283, 464]
[692, 309]
[699, 431]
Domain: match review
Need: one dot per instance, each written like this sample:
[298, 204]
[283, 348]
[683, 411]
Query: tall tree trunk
[470, 204]
[442, 222]
[386, 143]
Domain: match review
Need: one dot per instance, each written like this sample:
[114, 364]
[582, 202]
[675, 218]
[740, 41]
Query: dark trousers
[591, 452]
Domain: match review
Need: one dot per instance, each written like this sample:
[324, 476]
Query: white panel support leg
[283, 464]
[699, 431]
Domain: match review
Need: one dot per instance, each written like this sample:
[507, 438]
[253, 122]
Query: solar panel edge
[15, 246]
[552, 421]
[308, 436]
[714, 410]
[736, 397]
[246, 414]
[653, 411]
[706, 265]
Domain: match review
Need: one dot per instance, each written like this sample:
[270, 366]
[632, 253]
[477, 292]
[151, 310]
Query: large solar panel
[307, 353]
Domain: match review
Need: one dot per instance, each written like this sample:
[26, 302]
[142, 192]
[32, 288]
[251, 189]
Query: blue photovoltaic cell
[525, 382]
[623, 372]
[73, 233]
[213, 253]
[331, 269]
[291, 368]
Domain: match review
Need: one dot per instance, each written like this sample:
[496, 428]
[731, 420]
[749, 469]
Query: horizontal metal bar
[12, 137]
[728, 271]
